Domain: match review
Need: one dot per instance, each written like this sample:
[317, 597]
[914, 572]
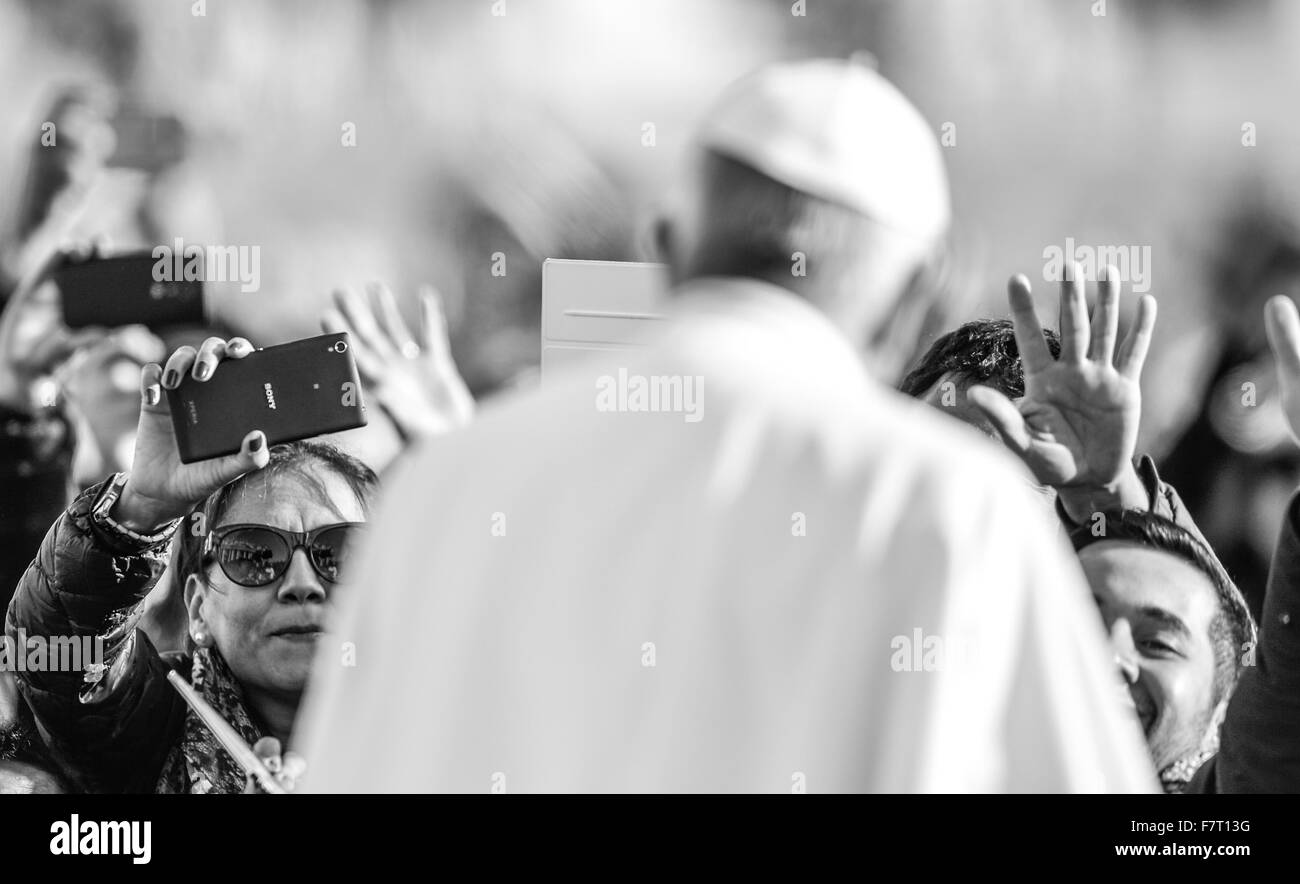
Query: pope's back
[733, 561]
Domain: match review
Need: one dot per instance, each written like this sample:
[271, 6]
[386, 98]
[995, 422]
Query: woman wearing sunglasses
[262, 539]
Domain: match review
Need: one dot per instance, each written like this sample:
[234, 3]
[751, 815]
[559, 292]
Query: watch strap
[121, 536]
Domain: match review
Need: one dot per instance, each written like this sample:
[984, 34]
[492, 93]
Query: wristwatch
[122, 535]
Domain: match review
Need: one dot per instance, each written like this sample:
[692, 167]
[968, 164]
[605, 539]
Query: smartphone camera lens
[340, 346]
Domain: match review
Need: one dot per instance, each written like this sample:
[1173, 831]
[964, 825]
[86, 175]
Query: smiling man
[1180, 630]
[1184, 643]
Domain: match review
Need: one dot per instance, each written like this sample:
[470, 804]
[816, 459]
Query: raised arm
[106, 717]
[1259, 747]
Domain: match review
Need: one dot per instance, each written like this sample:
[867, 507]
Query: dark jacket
[117, 737]
[1259, 743]
[1163, 501]
[35, 468]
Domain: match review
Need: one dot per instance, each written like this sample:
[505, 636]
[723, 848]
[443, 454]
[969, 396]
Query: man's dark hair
[1232, 629]
[980, 352]
[304, 459]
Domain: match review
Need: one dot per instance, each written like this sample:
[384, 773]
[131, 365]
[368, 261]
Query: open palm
[1077, 424]
[414, 379]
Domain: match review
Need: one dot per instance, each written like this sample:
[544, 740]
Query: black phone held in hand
[122, 290]
[290, 391]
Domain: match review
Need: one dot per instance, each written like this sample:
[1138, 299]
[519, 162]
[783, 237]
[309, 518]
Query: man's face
[1157, 610]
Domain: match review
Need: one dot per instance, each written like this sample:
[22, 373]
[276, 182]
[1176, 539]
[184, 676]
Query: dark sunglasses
[257, 555]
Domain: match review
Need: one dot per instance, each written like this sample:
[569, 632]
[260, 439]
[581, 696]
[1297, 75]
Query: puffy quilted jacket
[111, 734]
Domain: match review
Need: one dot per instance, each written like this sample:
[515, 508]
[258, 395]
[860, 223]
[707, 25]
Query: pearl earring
[201, 638]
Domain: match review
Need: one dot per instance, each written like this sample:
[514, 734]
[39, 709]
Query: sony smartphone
[291, 391]
[124, 290]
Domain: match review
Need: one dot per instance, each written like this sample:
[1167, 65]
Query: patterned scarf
[197, 764]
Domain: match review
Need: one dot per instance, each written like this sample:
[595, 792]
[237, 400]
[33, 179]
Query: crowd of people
[550, 597]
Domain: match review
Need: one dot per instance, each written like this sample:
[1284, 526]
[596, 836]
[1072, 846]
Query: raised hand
[1076, 427]
[160, 487]
[33, 338]
[60, 176]
[1282, 322]
[415, 381]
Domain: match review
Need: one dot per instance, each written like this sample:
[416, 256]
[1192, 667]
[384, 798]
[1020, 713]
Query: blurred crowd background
[525, 134]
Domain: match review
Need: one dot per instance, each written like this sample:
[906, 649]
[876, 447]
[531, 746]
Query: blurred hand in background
[413, 379]
[33, 339]
[1282, 322]
[70, 146]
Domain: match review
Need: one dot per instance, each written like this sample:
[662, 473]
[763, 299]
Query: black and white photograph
[408, 402]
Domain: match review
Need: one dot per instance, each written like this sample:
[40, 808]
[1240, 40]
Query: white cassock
[799, 581]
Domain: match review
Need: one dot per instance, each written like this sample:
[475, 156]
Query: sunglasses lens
[330, 551]
[252, 556]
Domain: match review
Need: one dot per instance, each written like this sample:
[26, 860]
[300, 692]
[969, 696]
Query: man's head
[979, 352]
[1177, 624]
[820, 177]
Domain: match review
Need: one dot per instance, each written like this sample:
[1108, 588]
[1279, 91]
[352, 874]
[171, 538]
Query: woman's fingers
[202, 363]
[151, 389]
[211, 351]
[253, 454]
[177, 365]
[238, 348]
